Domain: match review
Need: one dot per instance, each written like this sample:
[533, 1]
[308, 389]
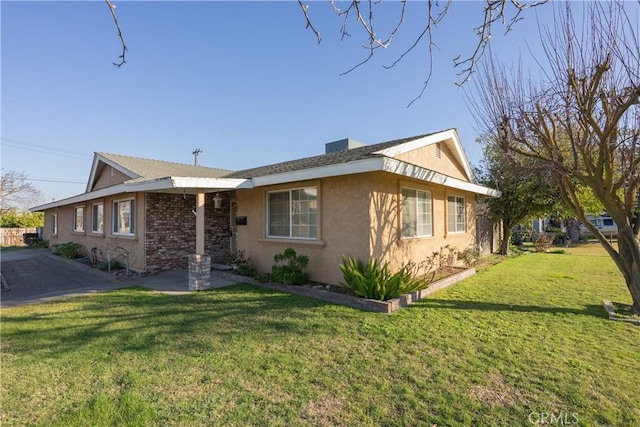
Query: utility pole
[195, 156]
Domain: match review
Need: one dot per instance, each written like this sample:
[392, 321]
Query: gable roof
[337, 157]
[158, 175]
[140, 169]
[354, 160]
[387, 149]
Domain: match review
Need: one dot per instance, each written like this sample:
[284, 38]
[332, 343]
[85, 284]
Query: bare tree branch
[112, 9]
[494, 11]
[304, 8]
[16, 191]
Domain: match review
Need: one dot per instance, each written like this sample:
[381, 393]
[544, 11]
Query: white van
[604, 223]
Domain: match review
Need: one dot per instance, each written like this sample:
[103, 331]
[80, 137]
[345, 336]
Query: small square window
[78, 219]
[97, 218]
[54, 224]
[417, 219]
[124, 217]
[456, 214]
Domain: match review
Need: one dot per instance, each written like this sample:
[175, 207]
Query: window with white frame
[54, 224]
[456, 214]
[97, 218]
[417, 218]
[78, 218]
[123, 217]
[293, 213]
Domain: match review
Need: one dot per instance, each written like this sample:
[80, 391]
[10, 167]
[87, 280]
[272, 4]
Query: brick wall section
[170, 229]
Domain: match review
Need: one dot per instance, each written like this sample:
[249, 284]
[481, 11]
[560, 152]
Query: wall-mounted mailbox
[241, 220]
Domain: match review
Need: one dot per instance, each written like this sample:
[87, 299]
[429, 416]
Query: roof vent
[342, 144]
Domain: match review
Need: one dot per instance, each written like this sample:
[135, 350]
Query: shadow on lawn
[131, 320]
[588, 310]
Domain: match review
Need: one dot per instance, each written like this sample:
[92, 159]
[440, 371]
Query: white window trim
[464, 204]
[93, 231]
[290, 237]
[54, 224]
[416, 236]
[75, 219]
[114, 219]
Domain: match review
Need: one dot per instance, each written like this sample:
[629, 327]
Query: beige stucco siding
[105, 242]
[360, 217]
[426, 157]
[108, 177]
[387, 242]
[343, 219]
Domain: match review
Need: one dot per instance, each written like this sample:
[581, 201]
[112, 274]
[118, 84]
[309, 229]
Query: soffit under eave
[449, 137]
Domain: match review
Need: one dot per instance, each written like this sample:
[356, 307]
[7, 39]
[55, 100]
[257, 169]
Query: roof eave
[167, 183]
[338, 169]
[412, 171]
[93, 175]
[445, 135]
[380, 163]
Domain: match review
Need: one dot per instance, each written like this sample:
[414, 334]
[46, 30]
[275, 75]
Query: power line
[22, 145]
[55, 180]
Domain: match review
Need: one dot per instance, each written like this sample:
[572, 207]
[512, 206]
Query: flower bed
[454, 275]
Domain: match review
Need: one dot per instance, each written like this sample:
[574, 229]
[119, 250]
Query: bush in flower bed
[290, 268]
[375, 280]
[69, 250]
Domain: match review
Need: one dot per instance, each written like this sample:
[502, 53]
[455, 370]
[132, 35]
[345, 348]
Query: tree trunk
[573, 229]
[506, 238]
[629, 264]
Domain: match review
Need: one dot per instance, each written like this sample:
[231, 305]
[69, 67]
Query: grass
[520, 339]
[10, 248]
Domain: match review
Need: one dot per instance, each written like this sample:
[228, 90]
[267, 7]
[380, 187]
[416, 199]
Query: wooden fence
[14, 236]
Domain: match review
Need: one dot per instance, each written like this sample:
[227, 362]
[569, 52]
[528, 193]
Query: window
[97, 218]
[54, 224]
[417, 220]
[456, 216]
[293, 213]
[123, 217]
[78, 218]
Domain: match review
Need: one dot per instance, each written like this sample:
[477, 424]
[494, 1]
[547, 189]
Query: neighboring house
[397, 201]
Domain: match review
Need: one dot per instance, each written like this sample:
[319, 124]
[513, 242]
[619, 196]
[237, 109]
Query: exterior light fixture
[217, 201]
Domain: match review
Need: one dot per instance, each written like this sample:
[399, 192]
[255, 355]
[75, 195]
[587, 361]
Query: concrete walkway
[36, 275]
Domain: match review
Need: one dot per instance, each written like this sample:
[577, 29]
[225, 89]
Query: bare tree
[581, 119]
[361, 15]
[16, 191]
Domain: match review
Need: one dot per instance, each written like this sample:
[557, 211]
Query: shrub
[261, 277]
[69, 250]
[374, 280]
[110, 265]
[515, 251]
[39, 244]
[470, 256]
[542, 242]
[290, 268]
[247, 270]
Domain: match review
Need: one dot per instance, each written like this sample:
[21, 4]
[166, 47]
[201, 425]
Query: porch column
[199, 263]
[200, 222]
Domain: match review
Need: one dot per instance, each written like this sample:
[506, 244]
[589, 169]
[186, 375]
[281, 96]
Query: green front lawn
[520, 341]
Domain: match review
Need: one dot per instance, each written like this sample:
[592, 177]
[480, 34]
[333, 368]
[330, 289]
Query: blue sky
[243, 81]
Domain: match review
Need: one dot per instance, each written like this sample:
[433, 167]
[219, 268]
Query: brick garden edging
[386, 307]
[612, 314]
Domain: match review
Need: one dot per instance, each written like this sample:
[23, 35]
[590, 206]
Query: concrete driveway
[36, 275]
